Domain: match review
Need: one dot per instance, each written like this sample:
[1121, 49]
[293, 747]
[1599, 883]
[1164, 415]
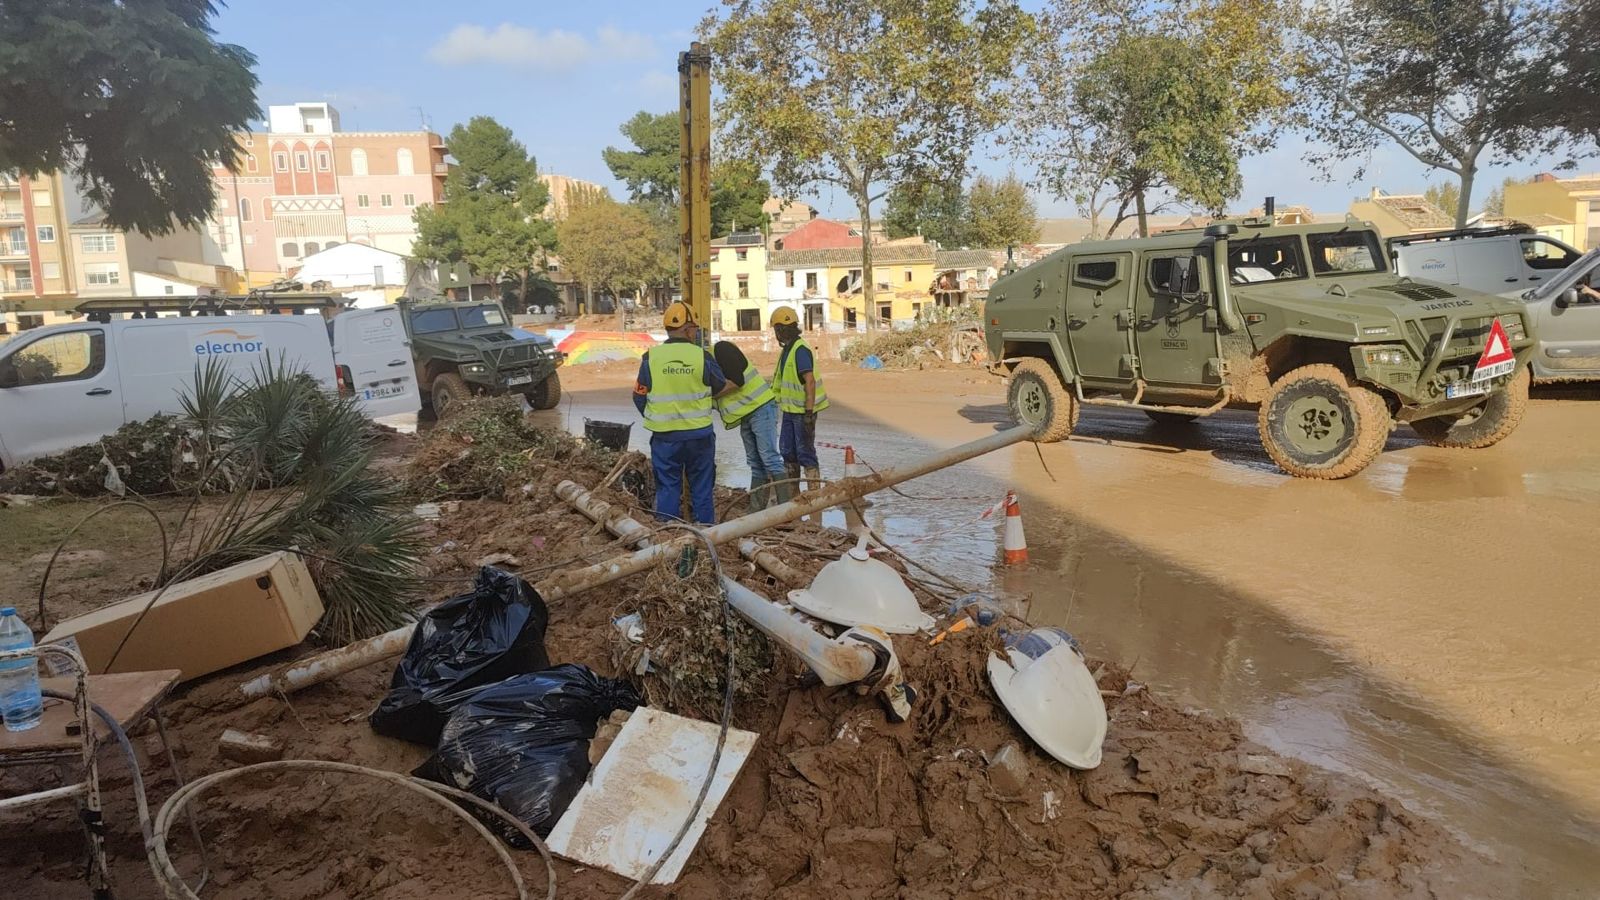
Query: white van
[1506, 261]
[63, 386]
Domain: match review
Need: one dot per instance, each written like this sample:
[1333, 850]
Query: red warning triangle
[1498, 349]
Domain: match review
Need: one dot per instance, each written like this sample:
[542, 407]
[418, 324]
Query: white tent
[357, 270]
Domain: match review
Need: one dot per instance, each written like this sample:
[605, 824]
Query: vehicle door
[1100, 315]
[1175, 336]
[58, 390]
[1569, 333]
[1542, 258]
[374, 356]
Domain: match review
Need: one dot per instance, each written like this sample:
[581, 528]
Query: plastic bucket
[612, 435]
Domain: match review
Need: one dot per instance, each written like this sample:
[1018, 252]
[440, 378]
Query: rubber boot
[758, 491]
[782, 492]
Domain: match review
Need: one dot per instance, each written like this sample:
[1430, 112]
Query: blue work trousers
[673, 462]
[798, 447]
[759, 430]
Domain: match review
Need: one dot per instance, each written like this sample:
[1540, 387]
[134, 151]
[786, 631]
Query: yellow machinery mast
[694, 182]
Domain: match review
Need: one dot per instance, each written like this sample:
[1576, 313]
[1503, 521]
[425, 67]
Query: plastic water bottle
[20, 699]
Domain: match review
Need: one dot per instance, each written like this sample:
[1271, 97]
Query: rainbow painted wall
[602, 346]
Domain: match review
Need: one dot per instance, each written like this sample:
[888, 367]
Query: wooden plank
[127, 696]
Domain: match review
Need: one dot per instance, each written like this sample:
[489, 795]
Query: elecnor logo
[1432, 265]
[227, 340]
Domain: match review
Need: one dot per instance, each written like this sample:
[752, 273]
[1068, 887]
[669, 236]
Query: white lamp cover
[856, 589]
[1049, 691]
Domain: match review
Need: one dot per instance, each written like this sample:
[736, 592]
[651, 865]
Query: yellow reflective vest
[679, 399]
[791, 390]
[751, 396]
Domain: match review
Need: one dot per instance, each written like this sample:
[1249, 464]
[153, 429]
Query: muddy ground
[837, 801]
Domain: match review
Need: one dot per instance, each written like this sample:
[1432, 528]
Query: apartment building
[305, 185]
[108, 262]
[739, 282]
[35, 261]
[1564, 208]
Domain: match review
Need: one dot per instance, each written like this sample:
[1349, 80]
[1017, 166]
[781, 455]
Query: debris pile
[489, 449]
[917, 347]
[145, 457]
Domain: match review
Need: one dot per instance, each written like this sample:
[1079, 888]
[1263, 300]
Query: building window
[744, 286]
[170, 290]
[749, 320]
[102, 273]
[885, 312]
[811, 281]
[249, 162]
[361, 201]
[385, 200]
[358, 162]
[47, 234]
[98, 243]
[312, 247]
[716, 287]
[908, 276]
[716, 320]
[50, 270]
[302, 161]
[244, 209]
[249, 142]
[324, 161]
[41, 198]
[402, 161]
[409, 200]
[742, 254]
[330, 245]
[250, 240]
[291, 250]
[788, 278]
[280, 161]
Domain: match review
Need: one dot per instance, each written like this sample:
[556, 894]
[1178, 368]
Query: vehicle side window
[69, 356]
[479, 316]
[428, 321]
[1098, 272]
[1174, 275]
[1264, 259]
[1544, 254]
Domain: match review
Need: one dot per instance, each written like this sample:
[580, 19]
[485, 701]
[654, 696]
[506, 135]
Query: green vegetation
[651, 171]
[995, 213]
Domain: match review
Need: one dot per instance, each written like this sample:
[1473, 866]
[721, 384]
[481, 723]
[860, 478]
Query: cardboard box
[205, 624]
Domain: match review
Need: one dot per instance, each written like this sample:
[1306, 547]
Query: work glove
[809, 422]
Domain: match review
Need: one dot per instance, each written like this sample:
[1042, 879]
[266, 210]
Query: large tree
[863, 95]
[1003, 214]
[491, 216]
[1140, 106]
[1442, 80]
[137, 100]
[651, 173]
[611, 246]
[937, 212]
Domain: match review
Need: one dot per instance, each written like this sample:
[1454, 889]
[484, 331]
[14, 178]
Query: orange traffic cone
[851, 468]
[1016, 545]
[852, 509]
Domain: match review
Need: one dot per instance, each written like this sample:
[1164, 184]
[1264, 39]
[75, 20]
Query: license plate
[1457, 389]
[519, 379]
[379, 393]
[1484, 373]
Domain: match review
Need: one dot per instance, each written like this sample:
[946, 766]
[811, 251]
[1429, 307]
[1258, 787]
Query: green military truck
[462, 349]
[1304, 322]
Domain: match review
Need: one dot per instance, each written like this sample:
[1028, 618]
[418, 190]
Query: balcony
[10, 215]
[13, 249]
[17, 286]
[441, 168]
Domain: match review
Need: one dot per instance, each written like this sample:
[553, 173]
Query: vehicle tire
[1169, 419]
[1038, 398]
[1315, 424]
[547, 393]
[1484, 425]
[449, 392]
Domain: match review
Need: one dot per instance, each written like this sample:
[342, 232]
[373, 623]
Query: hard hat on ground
[677, 315]
[783, 315]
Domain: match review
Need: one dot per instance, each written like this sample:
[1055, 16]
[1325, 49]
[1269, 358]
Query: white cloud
[554, 50]
[658, 84]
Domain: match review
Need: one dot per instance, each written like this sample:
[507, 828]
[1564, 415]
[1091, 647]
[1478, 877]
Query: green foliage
[492, 215]
[1445, 82]
[1495, 203]
[1003, 214]
[489, 449]
[138, 100]
[863, 95]
[1446, 195]
[737, 193]
[937, 211]
[613, 246]
[652, 169]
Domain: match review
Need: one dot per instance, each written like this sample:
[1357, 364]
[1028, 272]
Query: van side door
[1175, 336]
[373, 355]
[59, 390]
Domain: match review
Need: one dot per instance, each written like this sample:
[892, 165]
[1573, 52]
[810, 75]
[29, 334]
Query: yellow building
[1567, 209]
[903, 275]
[1396, 215]
[739, 282]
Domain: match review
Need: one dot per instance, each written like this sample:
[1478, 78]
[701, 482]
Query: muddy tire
[546, 394]
[1169, 419]
[1038, 399]
[1484, 425]
[1315, 424]
[449, 392]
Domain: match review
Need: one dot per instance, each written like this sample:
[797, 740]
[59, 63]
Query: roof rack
[296, 303]
[1456, 234]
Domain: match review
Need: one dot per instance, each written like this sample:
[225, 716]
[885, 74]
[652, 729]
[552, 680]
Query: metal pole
[694, 180]
[325, 666]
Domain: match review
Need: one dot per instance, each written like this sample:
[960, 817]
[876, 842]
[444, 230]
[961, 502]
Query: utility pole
[694, 192]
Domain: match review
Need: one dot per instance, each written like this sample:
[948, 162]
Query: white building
[799, 280]
[368, 275]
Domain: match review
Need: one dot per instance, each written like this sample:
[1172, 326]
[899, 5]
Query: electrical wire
[161, 528]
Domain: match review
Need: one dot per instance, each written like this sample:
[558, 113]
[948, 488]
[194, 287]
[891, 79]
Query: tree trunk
[869, 293]
[1469, 174]
[1144, 218]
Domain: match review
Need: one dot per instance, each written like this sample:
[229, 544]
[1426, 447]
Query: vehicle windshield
[1265, 259]
[1345, 252]
[1570, 276]
[482, 317]
[429, 321]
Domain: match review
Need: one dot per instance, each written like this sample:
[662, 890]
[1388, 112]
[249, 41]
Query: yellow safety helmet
[783, 315]
[678, 315]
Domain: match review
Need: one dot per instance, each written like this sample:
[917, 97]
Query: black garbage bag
[486, 635]
[523, 744]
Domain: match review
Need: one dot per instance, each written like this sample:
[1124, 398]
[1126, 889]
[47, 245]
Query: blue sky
[563, 76]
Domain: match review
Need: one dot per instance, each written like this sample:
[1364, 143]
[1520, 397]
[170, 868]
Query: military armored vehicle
[462, 349]
[1305, 322]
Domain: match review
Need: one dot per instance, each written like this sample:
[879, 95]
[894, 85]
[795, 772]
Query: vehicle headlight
[474, 369]
[1385, 356]
[1512, 323]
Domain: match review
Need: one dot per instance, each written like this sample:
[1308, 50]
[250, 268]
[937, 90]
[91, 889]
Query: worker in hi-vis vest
[676, 390]
[800, 397]
[752, 407]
